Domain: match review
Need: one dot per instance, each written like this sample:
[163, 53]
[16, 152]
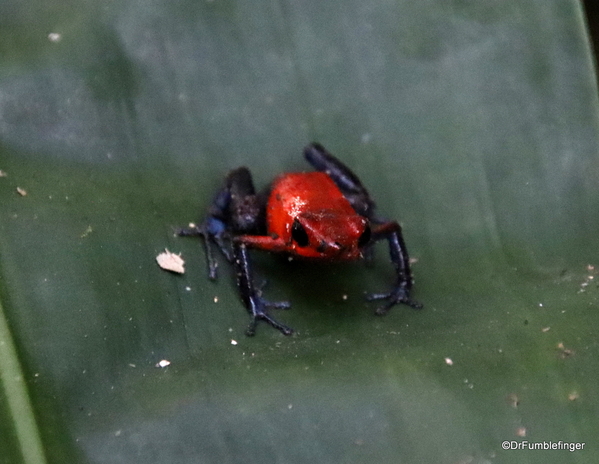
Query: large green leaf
[474, 123]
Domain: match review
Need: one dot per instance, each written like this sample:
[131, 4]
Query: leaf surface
[473, 123]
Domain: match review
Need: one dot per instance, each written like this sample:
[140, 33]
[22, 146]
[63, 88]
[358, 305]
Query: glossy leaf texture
[473, 123]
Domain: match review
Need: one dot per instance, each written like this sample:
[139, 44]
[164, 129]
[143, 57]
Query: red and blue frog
[325, 215]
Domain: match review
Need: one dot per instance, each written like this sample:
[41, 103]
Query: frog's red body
[323, 215]
[312, 205]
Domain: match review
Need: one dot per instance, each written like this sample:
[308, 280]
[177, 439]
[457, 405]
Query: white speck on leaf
[171, 262]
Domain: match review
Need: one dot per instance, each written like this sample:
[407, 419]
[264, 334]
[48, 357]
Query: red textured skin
[316, 202]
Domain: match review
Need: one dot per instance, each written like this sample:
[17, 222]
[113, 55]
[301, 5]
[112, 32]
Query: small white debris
[171, 262]
[233, 342]
[163, 363]
[86, 232]
[587, 280]
[22, 191]
[449, 361]
[344, 297]
[54, 37]
[188, 289]
[564, 352]
[216, 299]
[3, 173]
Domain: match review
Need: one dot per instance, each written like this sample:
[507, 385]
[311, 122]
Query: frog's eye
[299, 234]
[365, 237]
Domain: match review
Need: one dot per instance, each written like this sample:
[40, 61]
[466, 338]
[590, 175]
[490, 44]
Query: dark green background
[472, 122]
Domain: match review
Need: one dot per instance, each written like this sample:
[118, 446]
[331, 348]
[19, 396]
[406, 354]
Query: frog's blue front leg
[214, 231]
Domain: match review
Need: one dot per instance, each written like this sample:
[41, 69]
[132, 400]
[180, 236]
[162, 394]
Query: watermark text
[542, 445]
